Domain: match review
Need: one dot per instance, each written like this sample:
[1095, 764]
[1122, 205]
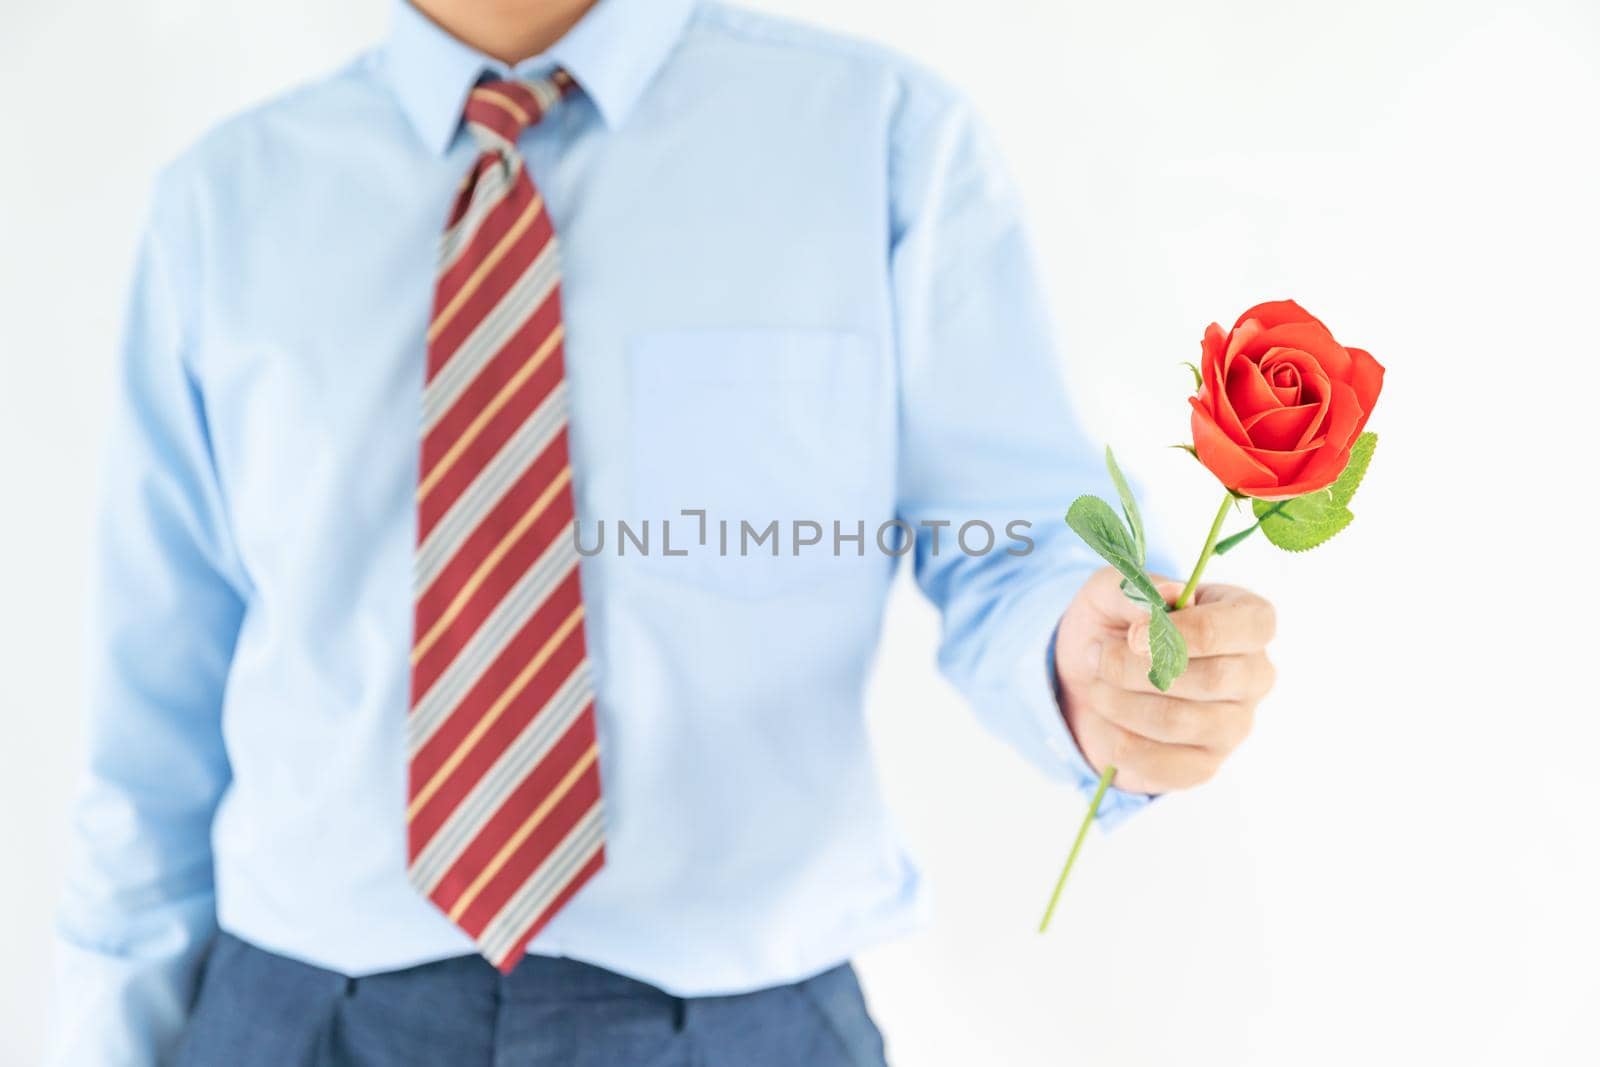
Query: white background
[1400, 866]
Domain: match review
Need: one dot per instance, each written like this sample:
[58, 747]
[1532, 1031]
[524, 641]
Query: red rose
[1280, 402]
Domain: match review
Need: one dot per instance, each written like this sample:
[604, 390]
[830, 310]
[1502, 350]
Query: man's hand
[1162, 741]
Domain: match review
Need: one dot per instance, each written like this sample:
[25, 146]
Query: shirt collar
[613, 52]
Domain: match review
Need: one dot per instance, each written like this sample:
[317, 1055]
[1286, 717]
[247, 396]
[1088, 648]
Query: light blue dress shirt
[796, 288]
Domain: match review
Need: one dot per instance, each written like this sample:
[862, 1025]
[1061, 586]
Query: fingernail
[1139, 638]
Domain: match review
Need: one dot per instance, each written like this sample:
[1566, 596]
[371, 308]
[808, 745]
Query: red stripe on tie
[492, 116]
[502, 733]
[514, 954]
[518, 805]
[490, 290]
[533, 851]
[520, 346]
[496, 223]
[481, 758]
[521, 496]
[555, 522]
[469, 461]
[523, 864]
[484, 692]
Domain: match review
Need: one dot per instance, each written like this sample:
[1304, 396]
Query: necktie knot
[498, 111]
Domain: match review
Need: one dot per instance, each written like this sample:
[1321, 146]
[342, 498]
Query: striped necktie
[504, 814]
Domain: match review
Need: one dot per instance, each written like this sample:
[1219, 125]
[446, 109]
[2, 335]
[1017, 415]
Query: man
[389, 767]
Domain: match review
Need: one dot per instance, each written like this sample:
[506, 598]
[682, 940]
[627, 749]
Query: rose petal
[1221, 455]
[1313, 377]
[1312, 338]
[1276, 312]
[1285, 464]
[1314, 386]
[1221, 406]
[1316, 475]
[1316, 426]
[1366, 378]
[1296, 488]
[1239, 340]
[1284, 378]
[1212, 346]
[1329, 460]
[1344, 417]
[1264, 490]
[1248, 391]
[1283, 429]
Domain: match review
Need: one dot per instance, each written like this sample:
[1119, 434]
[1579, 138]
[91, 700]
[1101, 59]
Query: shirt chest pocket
[754, 427]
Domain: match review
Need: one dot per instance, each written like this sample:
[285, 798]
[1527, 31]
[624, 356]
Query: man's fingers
[1241, 677]
[1143, 765]
[1226, 624]
[1165, 741]
[1223, 594]
[1106, 591]
[1172, 720]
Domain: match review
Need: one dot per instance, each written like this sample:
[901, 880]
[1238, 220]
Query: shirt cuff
[1067, 763]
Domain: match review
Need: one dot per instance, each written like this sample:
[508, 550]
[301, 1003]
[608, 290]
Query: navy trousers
[256, 1008]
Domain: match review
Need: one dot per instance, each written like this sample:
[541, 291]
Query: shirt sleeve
[138, 909]
[986, 435]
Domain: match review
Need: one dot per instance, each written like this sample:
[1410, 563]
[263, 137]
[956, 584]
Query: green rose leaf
[1130, 507]
[1228, 544]
[1305, 522]
[1093, 520]
[1169, 656]
[1360, 456]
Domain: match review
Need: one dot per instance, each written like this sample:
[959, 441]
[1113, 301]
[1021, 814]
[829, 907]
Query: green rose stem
[1205, 555]
[1077, 844]
[1110, 772]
